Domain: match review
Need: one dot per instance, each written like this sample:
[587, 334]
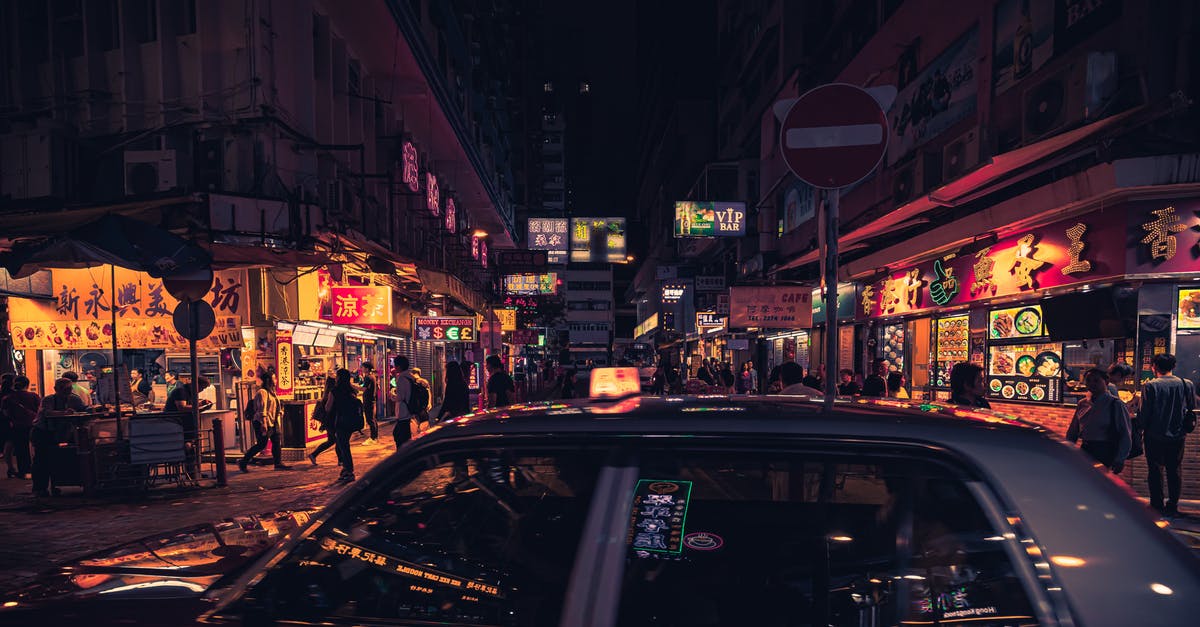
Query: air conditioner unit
[960, 155]
[908, 180]
[149, 171]
[1054, 104]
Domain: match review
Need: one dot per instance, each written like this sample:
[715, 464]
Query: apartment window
[585, 88]
[143, 20]
[548, 87]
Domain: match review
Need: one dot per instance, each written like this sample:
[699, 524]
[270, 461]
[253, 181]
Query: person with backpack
[1102, 422]
[266, 411]
[412, 401]
[346, 409]
[1167, 416]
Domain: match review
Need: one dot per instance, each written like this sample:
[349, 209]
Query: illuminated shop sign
[710, 219]
[779, 307]
[646, 326]
[433, 196]
[531, 284]
[709, 320]
[444, 329]
[673, 293]
[409, 172]
[548, 234]
[1189, 309]
[285, 368]
[451, 215]
[362, 305]
[598, 240]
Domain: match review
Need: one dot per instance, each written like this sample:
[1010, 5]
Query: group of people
[722, 377]
[348, 407]
[880, 383]
[26, 421]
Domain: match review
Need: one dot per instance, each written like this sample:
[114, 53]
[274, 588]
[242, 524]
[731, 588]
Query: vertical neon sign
[432, 194]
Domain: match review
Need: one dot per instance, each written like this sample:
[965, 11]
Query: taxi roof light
[614, 382]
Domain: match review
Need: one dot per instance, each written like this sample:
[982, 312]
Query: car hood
[182, 563]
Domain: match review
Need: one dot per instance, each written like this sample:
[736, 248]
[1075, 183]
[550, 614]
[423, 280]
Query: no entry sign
[834, 136]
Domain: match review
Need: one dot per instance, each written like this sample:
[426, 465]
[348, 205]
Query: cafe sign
[444, 329]
[362, 305]
[774, 307]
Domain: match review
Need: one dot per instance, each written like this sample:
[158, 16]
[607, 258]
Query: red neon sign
[409, 161]
[433, 197]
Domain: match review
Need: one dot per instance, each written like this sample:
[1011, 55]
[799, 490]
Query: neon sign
[409, 161]
[433, 198]
[444, 329]
[451, 215]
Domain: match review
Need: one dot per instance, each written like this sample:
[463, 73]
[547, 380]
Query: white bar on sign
[835, 136]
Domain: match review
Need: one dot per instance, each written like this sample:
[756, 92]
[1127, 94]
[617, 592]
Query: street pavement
[37, 533]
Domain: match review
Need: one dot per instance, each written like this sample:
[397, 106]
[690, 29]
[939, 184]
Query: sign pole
[831, 282]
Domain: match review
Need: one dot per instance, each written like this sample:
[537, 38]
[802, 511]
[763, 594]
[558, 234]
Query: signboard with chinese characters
[847, 298]
[711, 283]
[444, 329]
[659, 515]
[433, 196]
[646, 326]
[80, 314]
[285, 366]
[708, 320]
[451, 216]
[1189, 309]
[1164, 236]
[710, 219]
[362, 305]
[409, 174]
[507, 319]
[599, 240]
[673, 292]
[548, 234]
[521, 260]
[531, 284]
[776, 307]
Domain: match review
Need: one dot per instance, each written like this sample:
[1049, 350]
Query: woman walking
[346, 409]
[457, 401]
[265, 420]
[325, 419]
[1102, 422]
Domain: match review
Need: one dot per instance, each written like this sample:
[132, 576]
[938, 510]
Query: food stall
[102, 323]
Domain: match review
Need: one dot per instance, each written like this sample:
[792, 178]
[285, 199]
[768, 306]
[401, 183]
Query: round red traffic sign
[834, 135]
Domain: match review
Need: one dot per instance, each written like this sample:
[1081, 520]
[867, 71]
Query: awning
[358, 247]
[45, 222]
[439, 282]
[1001, 169]
[241, 256]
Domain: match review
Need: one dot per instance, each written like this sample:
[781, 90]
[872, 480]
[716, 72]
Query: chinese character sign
[483, 253]
[507, 319]
[409, 173]
[285, 368]
[548, 234]
[658, 517]
[451, 215]
[433, 198]
[362, 305]
[598, 240]
[770, 307]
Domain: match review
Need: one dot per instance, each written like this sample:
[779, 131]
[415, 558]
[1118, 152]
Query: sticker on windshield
[659, 515]
[703, 541]
[398, 566]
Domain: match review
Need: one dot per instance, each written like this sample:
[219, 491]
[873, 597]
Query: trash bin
[293, 431]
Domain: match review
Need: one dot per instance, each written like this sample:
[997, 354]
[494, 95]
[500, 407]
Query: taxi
[707, 510]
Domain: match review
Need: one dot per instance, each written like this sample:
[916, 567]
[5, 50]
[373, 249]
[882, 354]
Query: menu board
[1026, 372]
[892, 347]
[953, 347]
[1016, 323]
[659, 515]
[846, 347]
[1189, 309]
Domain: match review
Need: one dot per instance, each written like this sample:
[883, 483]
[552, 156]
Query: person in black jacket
[876, 384]
[345, 407]
[1166, 416]
[457, 401]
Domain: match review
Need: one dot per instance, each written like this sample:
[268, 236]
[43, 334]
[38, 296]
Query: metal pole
[112, 295]
[831, 283]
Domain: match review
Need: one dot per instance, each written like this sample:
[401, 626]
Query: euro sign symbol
[944, 286]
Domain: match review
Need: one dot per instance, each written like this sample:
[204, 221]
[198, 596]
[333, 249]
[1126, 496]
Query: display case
[952, 345]
[891, 346]
[1021, 364]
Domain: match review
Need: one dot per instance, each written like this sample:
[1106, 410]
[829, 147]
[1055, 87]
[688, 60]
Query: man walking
[1165, 415]
[369, 389]
[412, 400]
[500, 386]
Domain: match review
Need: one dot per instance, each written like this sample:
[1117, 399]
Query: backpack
[418, 398]
[349, 414]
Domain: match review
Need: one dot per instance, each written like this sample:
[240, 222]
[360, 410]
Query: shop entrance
[1187, 351]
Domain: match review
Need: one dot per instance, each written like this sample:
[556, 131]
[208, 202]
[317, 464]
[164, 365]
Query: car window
[726, 539]
[468, 539]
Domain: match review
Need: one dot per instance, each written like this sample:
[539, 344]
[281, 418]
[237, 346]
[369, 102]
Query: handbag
[1137, 446]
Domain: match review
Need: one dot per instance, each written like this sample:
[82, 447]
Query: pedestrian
[6, 423]
[896, 384]
[369, 389]
[324, 421]
[1102, 421]
[812, 379]
[457, 399]
[412, 401]
[754, 385]
[727, 379]
[143, 391]
[267, 412]
[500, 386]
[172, 379]
[791, 376]
[774, 381]
[47, 433]
[658, 381]
[84, 392]
[705, 374]
[743, 381]
[348, 417]
[1166, 415]
[876, 383]
[967, 387]
[21, 406]
[848, 387]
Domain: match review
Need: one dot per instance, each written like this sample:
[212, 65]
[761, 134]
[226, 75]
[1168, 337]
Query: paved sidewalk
[37, 533]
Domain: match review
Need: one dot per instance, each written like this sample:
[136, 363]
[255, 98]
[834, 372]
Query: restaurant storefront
[1037, 307]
